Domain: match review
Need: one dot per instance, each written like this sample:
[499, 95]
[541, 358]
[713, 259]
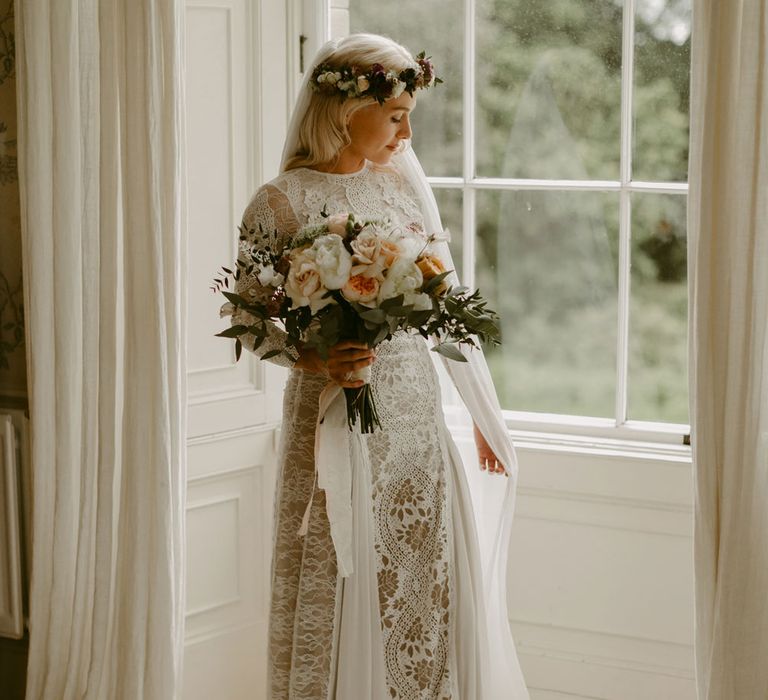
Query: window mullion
[625, 211]
[468, 171]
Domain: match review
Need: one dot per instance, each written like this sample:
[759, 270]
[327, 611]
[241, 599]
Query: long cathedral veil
[492, 505]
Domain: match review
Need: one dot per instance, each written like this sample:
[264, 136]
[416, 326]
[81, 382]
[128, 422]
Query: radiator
[12, 567]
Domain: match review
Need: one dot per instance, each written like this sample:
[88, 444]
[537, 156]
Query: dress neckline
[362, 170]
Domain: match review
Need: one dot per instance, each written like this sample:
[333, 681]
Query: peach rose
[431, 266]
[362, 289]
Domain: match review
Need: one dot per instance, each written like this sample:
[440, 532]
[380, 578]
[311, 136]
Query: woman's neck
[345, 164]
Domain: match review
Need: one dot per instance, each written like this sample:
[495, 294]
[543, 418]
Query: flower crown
[376, 82]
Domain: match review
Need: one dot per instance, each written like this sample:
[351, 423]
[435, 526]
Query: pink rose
[373, 255]
[390, 251]
[337, 223]
[303, 284]
[365, 248]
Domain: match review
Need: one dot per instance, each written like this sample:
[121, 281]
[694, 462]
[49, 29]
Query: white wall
[600, 579]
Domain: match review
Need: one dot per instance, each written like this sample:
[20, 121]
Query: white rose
[329, 77]
[362, 83]
[332, 260]
[304, 286]
[421, 302]
[404, 277]
[397, 89]
[410, 245]
[269, 278]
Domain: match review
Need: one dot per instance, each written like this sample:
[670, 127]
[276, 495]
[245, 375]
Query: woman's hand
[343, 359]
[487, 457]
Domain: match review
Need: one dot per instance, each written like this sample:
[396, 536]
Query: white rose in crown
[332, 260]
[303, 284]
[398, 88]
[404, 277]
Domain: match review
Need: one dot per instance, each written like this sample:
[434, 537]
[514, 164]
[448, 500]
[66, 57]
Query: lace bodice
[372, 192]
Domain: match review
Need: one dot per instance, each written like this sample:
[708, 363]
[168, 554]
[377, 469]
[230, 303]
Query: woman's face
[377, 130]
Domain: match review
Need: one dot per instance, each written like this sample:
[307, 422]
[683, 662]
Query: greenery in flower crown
[376, 81]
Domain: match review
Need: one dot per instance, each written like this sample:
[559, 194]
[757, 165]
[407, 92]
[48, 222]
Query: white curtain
[100, 137]
[728, 284]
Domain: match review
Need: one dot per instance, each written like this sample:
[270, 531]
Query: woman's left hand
[487, 457]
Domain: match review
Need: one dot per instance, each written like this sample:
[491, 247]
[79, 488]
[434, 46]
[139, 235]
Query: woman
[412, 616]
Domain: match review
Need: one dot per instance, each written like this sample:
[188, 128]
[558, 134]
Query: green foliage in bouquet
[348, 300]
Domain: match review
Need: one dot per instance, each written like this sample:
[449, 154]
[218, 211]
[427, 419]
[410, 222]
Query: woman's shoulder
[279, 192]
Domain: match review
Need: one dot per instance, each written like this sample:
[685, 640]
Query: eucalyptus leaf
[374, 315]
[233, 332]
[392, 302]
[451, 351]
[236, 299]
[434, 283]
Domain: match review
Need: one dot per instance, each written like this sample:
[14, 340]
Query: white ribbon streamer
[333, 473]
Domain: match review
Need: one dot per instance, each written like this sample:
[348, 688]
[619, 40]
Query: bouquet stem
[360, 404]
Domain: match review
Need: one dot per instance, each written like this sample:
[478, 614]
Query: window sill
[554, 433]
[633, 439]
[637, 439]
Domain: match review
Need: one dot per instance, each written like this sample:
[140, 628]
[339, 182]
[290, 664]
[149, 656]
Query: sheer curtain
[728, 283]
[100, 137]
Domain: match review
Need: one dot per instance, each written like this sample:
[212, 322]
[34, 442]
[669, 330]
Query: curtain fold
[100, 141]
[728, 348]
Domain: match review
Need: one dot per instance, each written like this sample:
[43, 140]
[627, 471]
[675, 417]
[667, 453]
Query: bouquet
[345, 279]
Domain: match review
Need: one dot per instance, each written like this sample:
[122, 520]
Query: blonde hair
[323, 133]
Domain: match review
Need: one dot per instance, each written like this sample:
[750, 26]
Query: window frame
[557, 426]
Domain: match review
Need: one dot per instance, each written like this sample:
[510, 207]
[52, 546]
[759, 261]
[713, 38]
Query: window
[557, 149]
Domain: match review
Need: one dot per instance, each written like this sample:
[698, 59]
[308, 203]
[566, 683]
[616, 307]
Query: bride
[391, 587]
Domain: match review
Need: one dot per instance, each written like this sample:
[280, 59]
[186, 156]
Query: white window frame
[560, 429]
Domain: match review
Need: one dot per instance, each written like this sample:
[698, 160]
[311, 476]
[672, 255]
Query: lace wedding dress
[429, 638]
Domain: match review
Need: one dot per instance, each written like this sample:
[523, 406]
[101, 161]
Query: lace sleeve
[268, 223]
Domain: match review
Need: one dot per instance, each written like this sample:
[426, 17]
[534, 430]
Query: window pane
[548, 263]
[662, 74]
[549, 88]
[449, 202]
[436, 27]
[658, 320]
